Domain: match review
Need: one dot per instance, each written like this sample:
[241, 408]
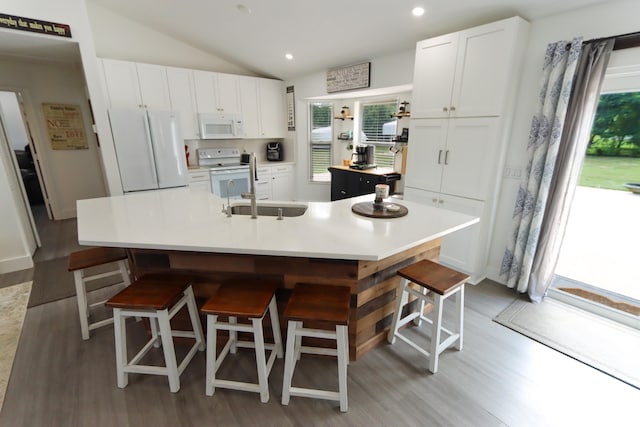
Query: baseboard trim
[16, 264]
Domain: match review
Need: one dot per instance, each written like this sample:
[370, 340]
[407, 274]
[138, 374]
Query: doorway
[596, 268]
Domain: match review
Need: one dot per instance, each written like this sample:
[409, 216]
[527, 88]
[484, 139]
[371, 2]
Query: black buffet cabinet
[346, 182]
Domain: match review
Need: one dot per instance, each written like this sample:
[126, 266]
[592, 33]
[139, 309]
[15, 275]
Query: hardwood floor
[500, 378]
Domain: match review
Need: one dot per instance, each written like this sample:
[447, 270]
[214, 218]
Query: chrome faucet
[228, 210]
[251, 195]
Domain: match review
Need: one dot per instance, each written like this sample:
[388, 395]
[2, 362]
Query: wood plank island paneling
[373, 284]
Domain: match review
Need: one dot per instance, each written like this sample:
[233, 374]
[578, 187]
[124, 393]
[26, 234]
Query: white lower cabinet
[263, 184]
[282, 187]
[460, 250]
[275, 182]
[200, 180]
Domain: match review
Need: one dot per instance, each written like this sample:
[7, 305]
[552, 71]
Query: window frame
[380, 146]
[312, 175]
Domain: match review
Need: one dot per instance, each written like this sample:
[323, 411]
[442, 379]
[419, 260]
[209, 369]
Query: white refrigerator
[149, 148]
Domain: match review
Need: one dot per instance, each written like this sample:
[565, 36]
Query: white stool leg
[83, 307]
[169, 350]
[289, 361]
[261, 362]
[233, 335]
[154, 331]
[343, 356]
[459, 316]
[298, 345]
[211, 368]
[195, 318]
[120, 333]
[124, 272]
[393, 330]
[418, 320]
[435, 334]
[275, 326]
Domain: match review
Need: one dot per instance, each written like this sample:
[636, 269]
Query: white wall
[13, 124]
[70, 174]
[386, 71]
[602, 20]
[17, 243]
[117, 37]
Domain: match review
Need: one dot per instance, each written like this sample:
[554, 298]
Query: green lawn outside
[609, 172]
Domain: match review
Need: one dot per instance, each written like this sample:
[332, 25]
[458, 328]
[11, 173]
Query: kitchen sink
[270, 210]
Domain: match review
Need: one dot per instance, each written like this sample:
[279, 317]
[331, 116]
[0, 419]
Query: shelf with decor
[401, 115]
[343, 117]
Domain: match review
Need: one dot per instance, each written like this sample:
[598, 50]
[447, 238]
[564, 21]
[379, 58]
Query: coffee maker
[362, 157]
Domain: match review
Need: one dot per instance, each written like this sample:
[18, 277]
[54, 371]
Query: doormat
[601, 299]
[601, 343]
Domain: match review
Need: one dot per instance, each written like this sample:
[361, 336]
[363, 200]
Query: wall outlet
[512, 172]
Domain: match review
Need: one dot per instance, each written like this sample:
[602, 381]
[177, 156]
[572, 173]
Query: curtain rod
[622, 41]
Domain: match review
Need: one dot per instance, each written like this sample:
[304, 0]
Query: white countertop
[181, 219]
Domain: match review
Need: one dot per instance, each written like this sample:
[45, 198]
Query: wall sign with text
[350, 77]
[65, 126]
[34, 25]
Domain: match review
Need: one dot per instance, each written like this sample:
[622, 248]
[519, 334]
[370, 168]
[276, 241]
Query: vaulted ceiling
[320, 34]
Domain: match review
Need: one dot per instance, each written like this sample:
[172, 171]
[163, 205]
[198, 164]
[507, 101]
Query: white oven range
[229, 177]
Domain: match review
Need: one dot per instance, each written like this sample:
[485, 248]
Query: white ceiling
[321, 34]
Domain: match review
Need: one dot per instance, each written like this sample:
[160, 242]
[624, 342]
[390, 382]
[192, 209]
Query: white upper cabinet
[132, 85]
[216, 92]
[121, 82]
[250, 108]
[154, 87]
[464, 74]
[263, 107]
[271, 98]
[183, 100]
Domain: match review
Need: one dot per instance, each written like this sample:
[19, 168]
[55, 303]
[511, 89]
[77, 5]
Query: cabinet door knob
[446, 157]
[434, 200]
[439, 156]
[445, 109]
[453, 108]
[441, 201]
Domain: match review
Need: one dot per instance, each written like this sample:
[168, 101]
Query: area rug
[52, 281]
[606, 345]
[13, 305]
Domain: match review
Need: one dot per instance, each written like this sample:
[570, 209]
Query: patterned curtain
[546, 129]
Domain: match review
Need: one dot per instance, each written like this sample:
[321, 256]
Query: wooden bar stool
[81, 260]
[442, 282]
[328, 305]
[157, 297]
[245, 299]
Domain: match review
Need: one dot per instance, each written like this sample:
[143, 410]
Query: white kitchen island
[187, 231]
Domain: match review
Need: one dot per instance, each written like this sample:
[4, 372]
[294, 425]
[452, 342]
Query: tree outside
[613, 152]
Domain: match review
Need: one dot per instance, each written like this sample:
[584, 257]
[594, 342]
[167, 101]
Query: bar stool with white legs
[157, 297]
[320, 304]
[244, 299]
[442, 282]
[79, 262]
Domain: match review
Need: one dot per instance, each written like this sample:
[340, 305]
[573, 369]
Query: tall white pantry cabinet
[464, 89]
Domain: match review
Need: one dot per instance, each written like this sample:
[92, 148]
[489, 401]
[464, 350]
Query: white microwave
[220, 126]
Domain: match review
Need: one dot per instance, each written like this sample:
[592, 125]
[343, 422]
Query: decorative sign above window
[350, 77]
[34, 25]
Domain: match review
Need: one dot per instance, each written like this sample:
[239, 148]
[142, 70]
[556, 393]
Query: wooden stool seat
[95, 256]
[433, 276]
[242, 298]
[79, 262]
[151, 292]
[329, 304]
[324, 304]
[442, 282]
[157, 297]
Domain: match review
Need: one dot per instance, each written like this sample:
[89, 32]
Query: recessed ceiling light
[288, 56]
[243, 9]
[417, 11]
